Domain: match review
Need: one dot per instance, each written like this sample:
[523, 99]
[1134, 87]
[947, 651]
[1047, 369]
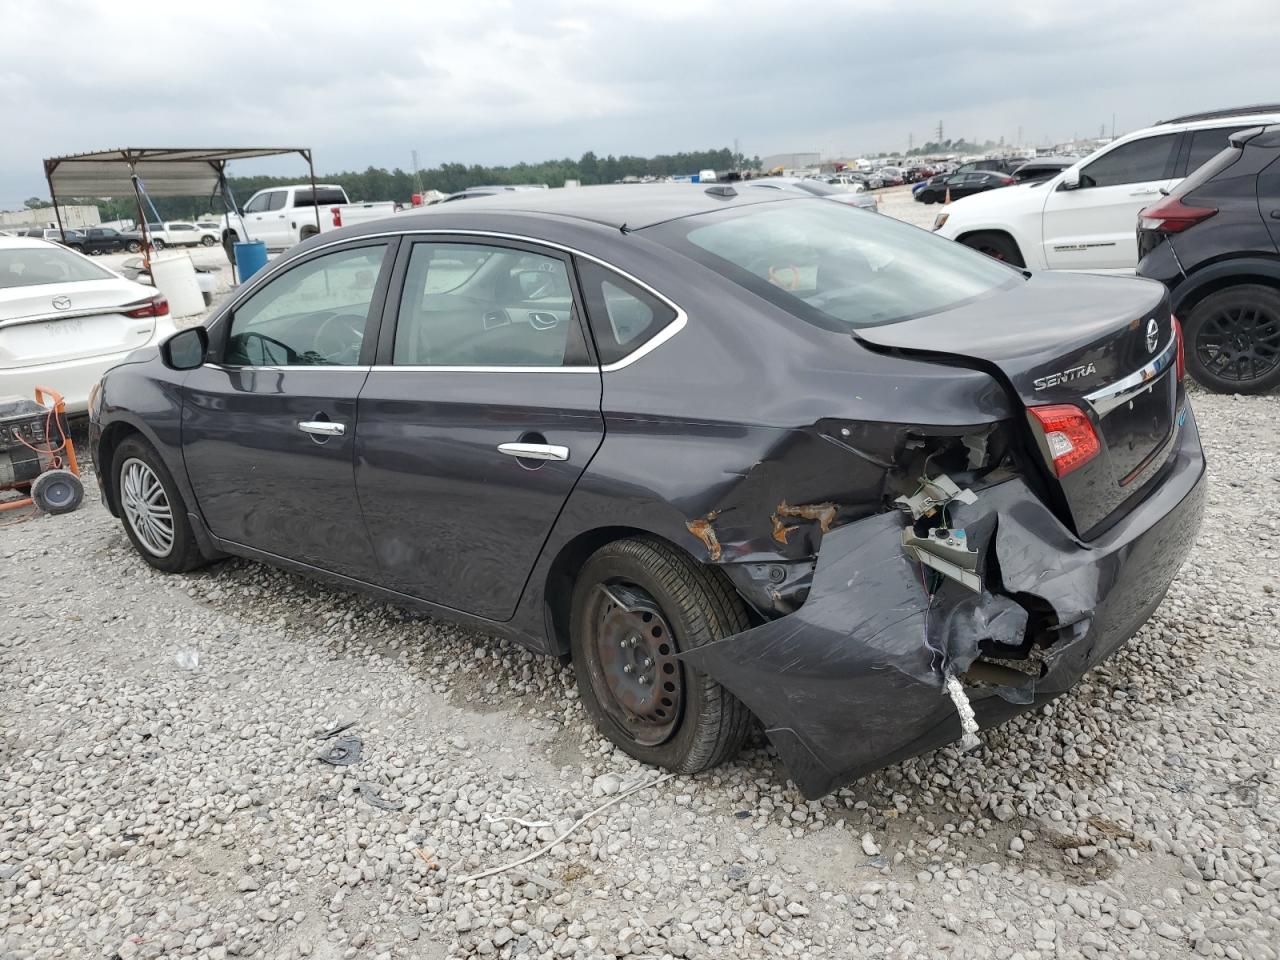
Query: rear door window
[481, 305]
[1138, 161]
[624, 316]
[276, 200]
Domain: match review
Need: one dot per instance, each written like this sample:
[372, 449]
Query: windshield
[836, 266]
[32, 266]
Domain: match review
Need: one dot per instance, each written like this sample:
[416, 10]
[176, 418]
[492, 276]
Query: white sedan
[65, 320]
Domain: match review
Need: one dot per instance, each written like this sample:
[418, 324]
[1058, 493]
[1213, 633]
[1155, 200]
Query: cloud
[492, 81]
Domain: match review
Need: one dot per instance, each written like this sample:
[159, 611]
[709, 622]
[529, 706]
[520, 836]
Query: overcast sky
[486, 81]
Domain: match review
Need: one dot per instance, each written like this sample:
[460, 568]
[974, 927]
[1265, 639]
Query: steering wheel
[345, 333]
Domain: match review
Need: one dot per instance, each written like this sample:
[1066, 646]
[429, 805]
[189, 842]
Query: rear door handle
[322, 428]
[534, 451]
[1144, 193]
[1275, 214]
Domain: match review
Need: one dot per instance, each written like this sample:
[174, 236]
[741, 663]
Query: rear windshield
[324, 197]
[836, 266]
[1210, 169]
[33, 266]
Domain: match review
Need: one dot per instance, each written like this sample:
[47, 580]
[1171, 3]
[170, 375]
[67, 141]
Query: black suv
[1215, 243]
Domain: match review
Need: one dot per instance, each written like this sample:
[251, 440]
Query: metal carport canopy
[165, 172]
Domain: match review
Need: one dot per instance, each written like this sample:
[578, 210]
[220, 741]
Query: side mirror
[1070, 180]
[186, 349]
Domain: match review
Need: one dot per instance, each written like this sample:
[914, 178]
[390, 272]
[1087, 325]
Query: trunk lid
[33, 331]
[1103, 344]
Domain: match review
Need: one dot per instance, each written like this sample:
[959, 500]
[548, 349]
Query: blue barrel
[251, 257]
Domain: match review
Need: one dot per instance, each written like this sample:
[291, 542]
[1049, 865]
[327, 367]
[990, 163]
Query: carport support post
[142, 219]
[48, 178]
[315, 201]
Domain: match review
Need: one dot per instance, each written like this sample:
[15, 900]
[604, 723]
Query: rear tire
[1232, 339]
[997, 246]
[207, 241]
[133, 246]
[152, 509]
[661, 711]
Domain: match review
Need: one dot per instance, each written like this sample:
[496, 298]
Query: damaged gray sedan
[740, 458]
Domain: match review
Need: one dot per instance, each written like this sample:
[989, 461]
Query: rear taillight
[155, 307]
[1007, 181]
[337, 216]
[1182, 357]
[1171, 215]
[1068, 434]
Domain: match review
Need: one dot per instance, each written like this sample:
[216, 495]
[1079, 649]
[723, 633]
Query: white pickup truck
[283, 216]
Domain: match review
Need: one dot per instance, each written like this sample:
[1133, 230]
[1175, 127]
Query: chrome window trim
[227, 367]
[1106, 399]
[657, 340]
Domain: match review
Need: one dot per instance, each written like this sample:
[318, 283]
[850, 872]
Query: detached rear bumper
[854, 680]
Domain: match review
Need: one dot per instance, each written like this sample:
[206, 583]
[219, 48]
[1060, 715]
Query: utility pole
[1113, 126]
[911, 142]
[417, 180]
[939, 132]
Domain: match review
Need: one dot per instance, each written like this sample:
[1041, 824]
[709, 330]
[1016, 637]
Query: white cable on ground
[560, 839]
[531, 824]
[968, 722]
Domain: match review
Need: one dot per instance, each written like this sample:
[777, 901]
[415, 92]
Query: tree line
[378, 183]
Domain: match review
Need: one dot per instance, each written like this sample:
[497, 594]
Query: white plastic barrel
[175, 276]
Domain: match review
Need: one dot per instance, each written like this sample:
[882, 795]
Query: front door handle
[322, 428]
[534, 451]
[1275, 214]
[1144, 193]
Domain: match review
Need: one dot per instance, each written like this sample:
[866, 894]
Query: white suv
[1086, 217]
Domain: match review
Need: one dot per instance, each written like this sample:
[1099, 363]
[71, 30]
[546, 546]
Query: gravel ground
[160, 793]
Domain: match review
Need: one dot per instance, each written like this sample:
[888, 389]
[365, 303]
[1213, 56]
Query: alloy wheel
[146, 507]
[1240, 343]
[637, 679]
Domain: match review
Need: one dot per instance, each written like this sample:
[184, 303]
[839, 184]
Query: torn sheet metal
[854, 679]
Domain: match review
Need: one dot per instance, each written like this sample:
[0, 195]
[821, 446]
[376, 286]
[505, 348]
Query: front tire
[1232, 339]
[207, 241]
[133, 246]
[997, 246]
[152, 509]
[636, 604]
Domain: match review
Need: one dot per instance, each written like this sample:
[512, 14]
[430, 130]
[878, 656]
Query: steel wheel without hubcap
[636, 678]
[146, 507]
[1239, 343]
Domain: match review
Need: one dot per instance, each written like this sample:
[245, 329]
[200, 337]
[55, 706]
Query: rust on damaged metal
[824, 513]
[703, 530]
[781, 530]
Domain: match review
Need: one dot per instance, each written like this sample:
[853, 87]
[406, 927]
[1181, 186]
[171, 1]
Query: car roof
[634, 206]
[10, 243]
